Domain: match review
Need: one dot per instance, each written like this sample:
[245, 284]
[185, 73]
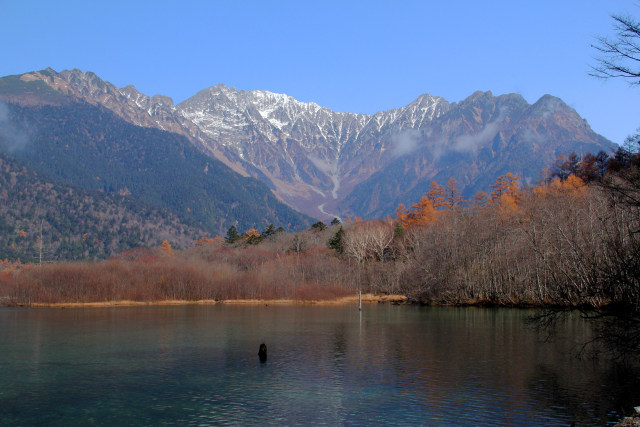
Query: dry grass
[345, 300]
[207, 275]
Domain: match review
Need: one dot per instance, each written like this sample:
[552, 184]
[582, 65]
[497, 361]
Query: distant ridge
[69, 141]
[327, 163]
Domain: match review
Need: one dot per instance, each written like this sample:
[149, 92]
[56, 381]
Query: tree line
[570, 242]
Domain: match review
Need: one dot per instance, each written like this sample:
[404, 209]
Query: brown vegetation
[562, 243]
[545, 245]
[210, 271]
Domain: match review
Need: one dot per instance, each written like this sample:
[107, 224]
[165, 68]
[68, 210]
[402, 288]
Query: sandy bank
[366, 299]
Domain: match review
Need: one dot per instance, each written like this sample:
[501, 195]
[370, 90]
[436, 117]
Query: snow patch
[277, 123]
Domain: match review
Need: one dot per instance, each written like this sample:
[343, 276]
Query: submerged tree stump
[262, 352]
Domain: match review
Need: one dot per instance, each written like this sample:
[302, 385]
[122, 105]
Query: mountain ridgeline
[326, 163]
[365, 165]
[227, 157]
[72, 142]
[91, 147]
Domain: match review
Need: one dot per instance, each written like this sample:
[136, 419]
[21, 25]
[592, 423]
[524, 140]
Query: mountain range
[331, 164]
[326, 163]
[85, 148]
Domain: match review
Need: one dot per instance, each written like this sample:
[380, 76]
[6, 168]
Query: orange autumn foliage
[481, 199]
[252, 233]
[573, 185]
[505, 184]
[204, 240]
[506, 195]
[452, 197]
[401, 213]
[166, 247]
[436, 195]
[507, 206]
[7, 267]
[422, 213]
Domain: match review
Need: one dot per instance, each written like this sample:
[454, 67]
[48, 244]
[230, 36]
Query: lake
[386, 365]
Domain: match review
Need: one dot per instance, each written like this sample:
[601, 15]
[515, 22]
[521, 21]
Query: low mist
[405, 142]
[11, 138]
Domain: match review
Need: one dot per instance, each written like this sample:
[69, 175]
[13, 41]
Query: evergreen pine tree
[232, 235]
[336, 242]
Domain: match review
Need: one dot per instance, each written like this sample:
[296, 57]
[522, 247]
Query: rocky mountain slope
[327, 163]
[71, 142]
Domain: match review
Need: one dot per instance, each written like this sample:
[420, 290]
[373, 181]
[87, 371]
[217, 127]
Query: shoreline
[366, 299]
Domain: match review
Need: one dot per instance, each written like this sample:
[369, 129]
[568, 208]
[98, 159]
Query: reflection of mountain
[318, 160]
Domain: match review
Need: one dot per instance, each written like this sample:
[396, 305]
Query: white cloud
[11, 139]
[467, 143]
[405, 142]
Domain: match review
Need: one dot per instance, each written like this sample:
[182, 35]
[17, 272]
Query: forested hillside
[76, 224]
[79, 144]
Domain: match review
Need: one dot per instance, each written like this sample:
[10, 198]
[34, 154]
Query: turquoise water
[389, 365]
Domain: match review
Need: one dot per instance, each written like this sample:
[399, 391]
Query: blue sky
[355, 56]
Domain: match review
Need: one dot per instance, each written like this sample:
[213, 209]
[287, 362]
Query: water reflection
[198, 365]
[611, 391]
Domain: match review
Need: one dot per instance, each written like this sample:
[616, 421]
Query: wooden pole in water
[360, 300]
[40, 262]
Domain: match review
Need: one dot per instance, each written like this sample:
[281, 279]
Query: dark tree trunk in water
[262, 352]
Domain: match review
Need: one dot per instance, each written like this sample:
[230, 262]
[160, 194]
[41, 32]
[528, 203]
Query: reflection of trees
[483, 359]
[478, 358]
[407, 365]
[550, 390]
[616, 387]
[339, 347]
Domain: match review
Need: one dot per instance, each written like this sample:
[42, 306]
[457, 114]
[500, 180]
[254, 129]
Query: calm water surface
[198, 365]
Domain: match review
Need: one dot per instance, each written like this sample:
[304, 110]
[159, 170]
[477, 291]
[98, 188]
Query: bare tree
[356, 242]
[380, 238]
[619, 56]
